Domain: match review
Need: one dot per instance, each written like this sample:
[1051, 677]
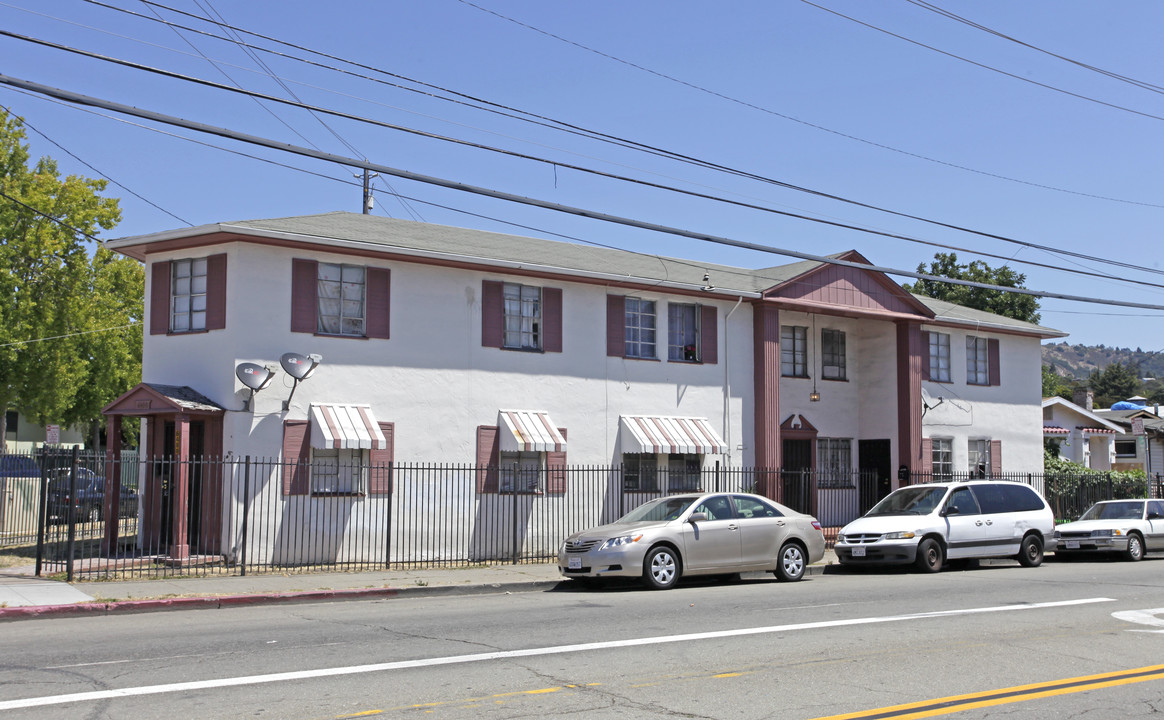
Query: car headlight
[1102, 533]
[898, 536]
[621, 540]
[1058, 535]
[841, 538]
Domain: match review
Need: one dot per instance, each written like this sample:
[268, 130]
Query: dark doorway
[876, 466]
[796, 475]
[166, 471]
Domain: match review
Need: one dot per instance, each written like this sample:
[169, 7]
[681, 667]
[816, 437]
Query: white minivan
[932, 523]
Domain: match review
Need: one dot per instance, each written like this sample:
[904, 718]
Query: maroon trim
[304, 296]
[993, 370]
[766, 379]
[926, 465]
[615, 325]
[216, 292]
[996, 458]
[160, 298]
[556, 469]
[380, 481]
[909, 427]
[492, 313]
[833, 285]
[377, 312]
[488, 459]
[296, 457]
[708, 335]
[551, 319]
[926, 357]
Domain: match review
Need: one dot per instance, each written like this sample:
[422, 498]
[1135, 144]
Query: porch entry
[876, 467]
[165, 474]
[796, 476]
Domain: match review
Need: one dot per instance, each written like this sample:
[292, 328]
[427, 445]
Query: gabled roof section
[153, 399]
[950, 314]
[869, 291]
[1084, 414]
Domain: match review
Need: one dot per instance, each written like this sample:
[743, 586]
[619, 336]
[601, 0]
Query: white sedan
[1130, 527]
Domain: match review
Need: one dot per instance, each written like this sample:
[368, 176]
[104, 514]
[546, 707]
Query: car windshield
[909, 501]
[1115, 511]
[658, 510]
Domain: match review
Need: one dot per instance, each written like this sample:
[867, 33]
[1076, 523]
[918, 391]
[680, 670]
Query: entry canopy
[656, 434]
[345, 427]
[529, 431]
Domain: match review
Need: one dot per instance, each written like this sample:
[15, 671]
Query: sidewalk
[23, 596]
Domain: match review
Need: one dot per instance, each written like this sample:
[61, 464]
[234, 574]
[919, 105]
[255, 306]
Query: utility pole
[368, 190]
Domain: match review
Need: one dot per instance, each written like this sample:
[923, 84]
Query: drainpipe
[727, 386]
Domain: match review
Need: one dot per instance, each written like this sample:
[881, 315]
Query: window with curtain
[523, 317]
[640, 328]
[682, 332]
[977, 361]
[188, 295]
[341, 299]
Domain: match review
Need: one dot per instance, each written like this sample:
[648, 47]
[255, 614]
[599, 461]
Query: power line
[532, 202]
[73, 334]
[45, 215]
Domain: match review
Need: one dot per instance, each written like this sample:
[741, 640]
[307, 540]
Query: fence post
[246, 504]
[388, 521]
[42, 511]
[72, 515]
[717, 476]
[513, 520]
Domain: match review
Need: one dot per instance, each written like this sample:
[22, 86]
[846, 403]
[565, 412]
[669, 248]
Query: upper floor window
[977, 361]
[683, 332]
[832, 344]
[942, 458]
[341, 299]
[793, 351]
[523, 317]
[188, 295]
[939, 357]
[640, 328]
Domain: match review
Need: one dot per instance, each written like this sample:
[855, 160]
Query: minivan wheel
[929, 556]
[790, 567]
[1031, 551]
[661, 568]
[1135, 548]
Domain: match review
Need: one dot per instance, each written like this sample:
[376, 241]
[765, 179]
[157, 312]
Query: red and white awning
[1055, 430]
[529, 431]
[662, 434]
[345, 427]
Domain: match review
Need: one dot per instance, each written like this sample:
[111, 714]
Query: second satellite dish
[298, 366]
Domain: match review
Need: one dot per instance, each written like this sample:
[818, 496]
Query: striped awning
[662, 434]
[345, 427]
[529, 431]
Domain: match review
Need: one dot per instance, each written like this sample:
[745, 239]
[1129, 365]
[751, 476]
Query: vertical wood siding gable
[216, 292]
[380, 480]
[994, 371]
[296, 457]
[492, 314]
[708, 335]
[378, 315]
[488, 458]
[556, 470]
[160, 298]
[552, 320]
[615, 325]
[304, 302]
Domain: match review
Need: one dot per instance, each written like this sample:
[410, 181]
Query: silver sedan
[703, 534]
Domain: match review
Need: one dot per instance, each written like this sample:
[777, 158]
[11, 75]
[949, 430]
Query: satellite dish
[925, 397]
[299, 366]
[254, 376]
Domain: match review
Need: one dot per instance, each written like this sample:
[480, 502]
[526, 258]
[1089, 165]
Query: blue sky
[1031, 147]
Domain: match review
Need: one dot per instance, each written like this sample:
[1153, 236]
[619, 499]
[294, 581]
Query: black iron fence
[239, 515]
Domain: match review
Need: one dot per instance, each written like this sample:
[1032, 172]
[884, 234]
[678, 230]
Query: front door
[876, 468]
[797, 474]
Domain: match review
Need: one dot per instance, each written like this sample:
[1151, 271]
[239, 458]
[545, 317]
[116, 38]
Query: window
[939, 357]
[683, 472]
[978, 454]
[793, 351]
[832, 354]
[523, 317]
[640, 328]
[716, 507]
[1125, 448]
[962, 502]
[682, 332]
[640, 472]
[747, 507]
[942, 458]
[1005, 497]
[188, 295]
[341, 299]
[977, 361]
[521, 472]
[834, 462]
[337, 472]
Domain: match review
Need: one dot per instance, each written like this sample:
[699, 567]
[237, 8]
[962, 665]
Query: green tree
[46, 279]
[1055, 384]
[1000, 302]
[1115, 382]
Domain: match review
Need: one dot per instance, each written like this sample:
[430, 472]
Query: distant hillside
[1079, 361]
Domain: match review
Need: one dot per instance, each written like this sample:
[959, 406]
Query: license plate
[1072, 544]
[574, 563]
[858, 551]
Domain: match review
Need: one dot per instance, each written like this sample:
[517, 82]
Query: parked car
[89, 501]
[697, 534]
[19, 466]
[932, 523]
[1130, 527]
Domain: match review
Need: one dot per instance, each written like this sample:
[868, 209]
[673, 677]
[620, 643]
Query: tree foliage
[1117, 381]
[57, 365]
[1000, 302]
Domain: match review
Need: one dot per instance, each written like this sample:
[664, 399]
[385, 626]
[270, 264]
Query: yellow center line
[1020, 693]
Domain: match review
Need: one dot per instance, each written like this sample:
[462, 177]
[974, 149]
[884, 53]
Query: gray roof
[185, 397]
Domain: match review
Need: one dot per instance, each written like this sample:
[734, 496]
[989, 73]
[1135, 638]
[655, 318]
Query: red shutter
[380, 482]
[552, 320]
[925, 368]
[216, 292]
[993, 369]
[304, 303]
[378, 303]
[492, 314]
[708, 335]
[556, 470]
[927, 462]
[160, 298]
[996, 458]
[296, 457]
[488, 458]
[615, 325]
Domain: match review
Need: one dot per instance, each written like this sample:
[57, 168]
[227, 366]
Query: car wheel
[661, 568]
[929, 556]
[1031, 551]
[1135, 548]
[792, 561]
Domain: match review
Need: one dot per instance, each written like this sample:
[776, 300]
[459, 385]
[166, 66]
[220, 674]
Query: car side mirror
[697, 517]
[952, 510]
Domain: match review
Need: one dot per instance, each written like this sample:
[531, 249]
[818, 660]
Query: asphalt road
[833, 644]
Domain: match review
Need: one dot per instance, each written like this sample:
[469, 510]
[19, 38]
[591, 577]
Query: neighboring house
[448, 345]
[1142, 445]
[1081, 435]
[23, 435]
